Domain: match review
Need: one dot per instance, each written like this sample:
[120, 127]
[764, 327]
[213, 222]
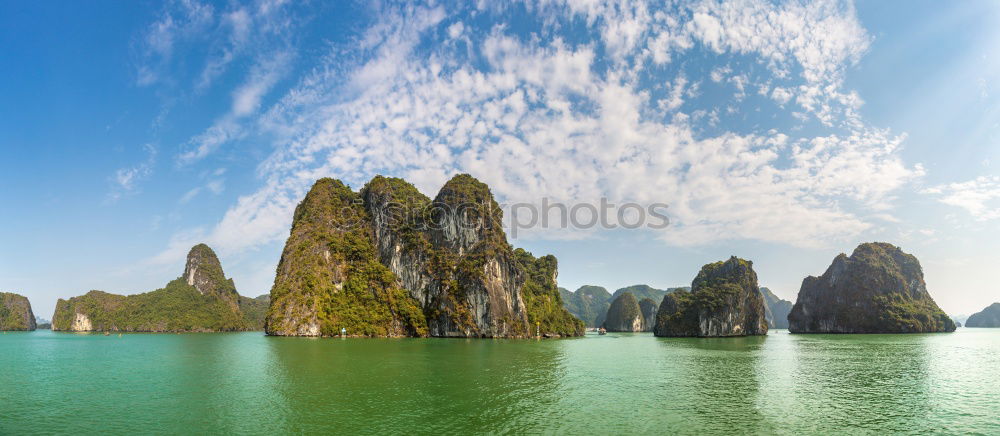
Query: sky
[781, 132]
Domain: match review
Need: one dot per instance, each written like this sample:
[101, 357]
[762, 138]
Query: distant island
[15, 313]
[777, 309]
[388, 261]
[201, 300]
[591, 303]
[624, 315]
[877, 289]
[988, 317]
[588, 303]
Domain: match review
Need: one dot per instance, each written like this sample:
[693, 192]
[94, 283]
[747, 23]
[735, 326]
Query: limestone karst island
[442, 217]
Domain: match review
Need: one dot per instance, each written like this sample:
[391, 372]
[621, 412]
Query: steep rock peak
[624, 314]
[327, 204]
[204, 271]
[464, 213]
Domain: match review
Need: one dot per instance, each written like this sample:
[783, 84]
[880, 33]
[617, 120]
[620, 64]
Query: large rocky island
[724, 300]
[15, 313]
[877, 289]
[988, 317]
[624, 315]
[201, 300]
[389, 261]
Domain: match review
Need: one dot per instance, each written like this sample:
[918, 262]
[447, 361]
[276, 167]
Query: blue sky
[782, 132]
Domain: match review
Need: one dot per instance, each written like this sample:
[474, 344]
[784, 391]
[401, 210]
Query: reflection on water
[618, 383]
[397, 385]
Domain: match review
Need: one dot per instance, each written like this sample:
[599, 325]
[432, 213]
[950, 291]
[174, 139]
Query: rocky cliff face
[15, 313]
[201, 300]
[648, 307]
[989, 317]
[777, 309]
[624, 315]
[444, 266]
[329, 276]
[204, 271]
[724, 300]
[878, 289]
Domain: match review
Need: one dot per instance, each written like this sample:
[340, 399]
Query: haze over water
[635, 383]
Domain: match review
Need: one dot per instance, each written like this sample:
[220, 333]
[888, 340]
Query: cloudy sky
[782, 132]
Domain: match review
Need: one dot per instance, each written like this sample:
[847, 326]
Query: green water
[620, 383]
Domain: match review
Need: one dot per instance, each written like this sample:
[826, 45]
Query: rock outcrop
[777, 309]
[624, 315]
[988, 317]
[201, 300]
[588, 303]
[15, 313]
[389, 261]
[878, 289]
[204, 271]
[724, 300]
[648, 307]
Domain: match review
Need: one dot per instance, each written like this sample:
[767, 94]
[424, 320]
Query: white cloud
[246, 101]
[180, 21]
[979, 197]
[541, 119]
[455, 30]
[126, 180]
[190, 195]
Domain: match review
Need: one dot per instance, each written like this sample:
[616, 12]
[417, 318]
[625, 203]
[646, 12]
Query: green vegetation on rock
[388, 261]
[542, 299]
[201, 300]
[329, 277]
[15, 313]
[178, 307]
[646, 291]
[588, 303]
[724, 300]
[255, 310]
[878, 289]
[624, 315]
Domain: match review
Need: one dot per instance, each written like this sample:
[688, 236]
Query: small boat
[602, 331]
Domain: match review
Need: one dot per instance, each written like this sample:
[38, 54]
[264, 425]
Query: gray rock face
[624, 315]
[725, 300]
[461, 226]
[648, 307]
[204, 271]
[988, 317]
[777, 309]
[15, 313]
[878, 289]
